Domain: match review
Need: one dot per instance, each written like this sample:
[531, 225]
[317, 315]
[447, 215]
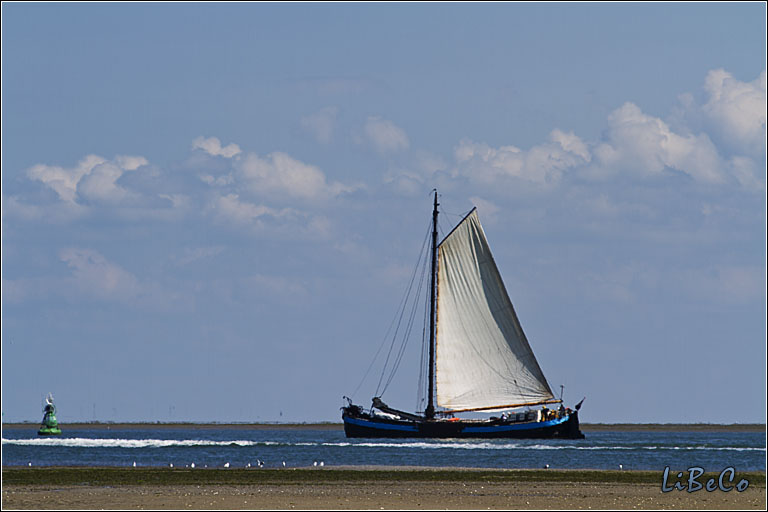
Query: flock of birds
[621, 467]
[259, 464]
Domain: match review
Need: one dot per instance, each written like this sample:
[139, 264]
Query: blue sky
[211, 212]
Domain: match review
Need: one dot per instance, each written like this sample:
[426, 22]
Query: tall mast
[430, 412]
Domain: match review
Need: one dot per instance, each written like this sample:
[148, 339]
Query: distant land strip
[585, 427]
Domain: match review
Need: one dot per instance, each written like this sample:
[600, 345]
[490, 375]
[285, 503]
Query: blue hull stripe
[522, 426]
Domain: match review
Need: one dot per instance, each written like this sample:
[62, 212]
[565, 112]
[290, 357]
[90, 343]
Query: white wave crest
[518, 446]
[80, 442]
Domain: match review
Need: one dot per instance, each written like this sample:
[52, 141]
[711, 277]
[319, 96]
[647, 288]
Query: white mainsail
[483, 359]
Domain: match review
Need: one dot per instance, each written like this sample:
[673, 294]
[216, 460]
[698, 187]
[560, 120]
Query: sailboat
[479, 357]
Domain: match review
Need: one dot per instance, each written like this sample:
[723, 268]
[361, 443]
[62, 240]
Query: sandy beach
[357, 488]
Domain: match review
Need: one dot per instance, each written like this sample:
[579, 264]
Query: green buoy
[50, 425]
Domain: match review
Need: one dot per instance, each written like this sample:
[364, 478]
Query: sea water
[307, 447]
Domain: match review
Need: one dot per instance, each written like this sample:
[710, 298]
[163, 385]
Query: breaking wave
[79, 442]
[516, 446]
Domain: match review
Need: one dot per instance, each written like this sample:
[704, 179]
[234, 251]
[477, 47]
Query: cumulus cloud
[101, 184]
[572, 144]
[731, 120]
[385, 136]
[490, 210]
[543, 164]
[130, 163]
[177, 200]
[93, 178]
[645, 145]
[248, 191]
[405, 184]
[12, 206]
[62, 180]
[321, 124]
[217, 181]
[212, 146]
[93, 275]
[282, 174]
[747, 173]
[736, 111]
[243, 184]
[417, 176]
[231, 208]
[235, 211]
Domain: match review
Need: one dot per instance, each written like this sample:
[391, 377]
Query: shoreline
[360, 488]
[122, 475]
[585, 427]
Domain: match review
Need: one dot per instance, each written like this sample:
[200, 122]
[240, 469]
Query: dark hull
[365, 425]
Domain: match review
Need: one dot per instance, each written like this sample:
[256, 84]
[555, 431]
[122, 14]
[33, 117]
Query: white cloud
[130, 163]
[64, 181]
[405, 184]
[746, 172]
[93, 178]
[219, 181]
[282, 174]
[60, 212]
[101, 184]
[385, 136]
[736, 111]
[13, 207]
[94, 275]
[417, 176]
[570, 143]
[231, 208]
[643, 144]
[542, 164]
[484, 164]
[321, 124]
[212, 146]
[489, 209]
[293, 223]
[177, 200]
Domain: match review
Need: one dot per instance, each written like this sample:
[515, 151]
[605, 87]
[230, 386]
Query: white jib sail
[483, 359]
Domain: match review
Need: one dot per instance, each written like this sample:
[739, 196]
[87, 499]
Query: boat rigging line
[422, 262]
[396, 319]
